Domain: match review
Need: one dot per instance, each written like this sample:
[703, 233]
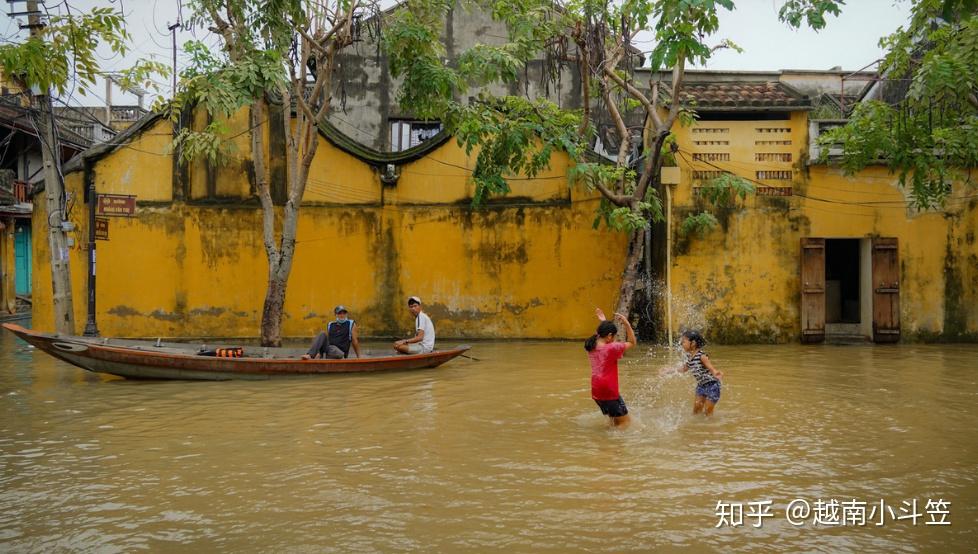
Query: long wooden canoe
[159, 360]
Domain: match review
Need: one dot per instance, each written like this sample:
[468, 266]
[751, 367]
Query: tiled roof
[741, 95]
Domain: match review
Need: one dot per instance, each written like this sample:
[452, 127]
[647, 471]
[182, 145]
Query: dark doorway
[842, 281]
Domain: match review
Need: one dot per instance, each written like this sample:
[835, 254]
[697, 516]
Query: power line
[877, 204]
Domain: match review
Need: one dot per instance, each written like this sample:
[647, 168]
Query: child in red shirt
[604, 352]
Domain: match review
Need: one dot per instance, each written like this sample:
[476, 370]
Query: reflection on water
[507, 453]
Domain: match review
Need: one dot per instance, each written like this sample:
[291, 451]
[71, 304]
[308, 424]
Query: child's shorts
[710, 390]
[612, 408]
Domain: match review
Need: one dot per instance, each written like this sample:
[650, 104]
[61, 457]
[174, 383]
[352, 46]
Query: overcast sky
[849, 41]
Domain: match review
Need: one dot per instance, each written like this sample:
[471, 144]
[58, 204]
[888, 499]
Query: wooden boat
[168, 360]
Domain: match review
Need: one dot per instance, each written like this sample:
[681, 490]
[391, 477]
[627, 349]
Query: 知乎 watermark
[833, 512]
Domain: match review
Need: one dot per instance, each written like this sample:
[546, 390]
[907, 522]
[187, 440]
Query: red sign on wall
[101, 228]
[116, 205]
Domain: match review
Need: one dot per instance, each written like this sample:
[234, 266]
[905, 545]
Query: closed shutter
[812, 290]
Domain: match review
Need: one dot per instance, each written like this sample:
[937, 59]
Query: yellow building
[813, 253]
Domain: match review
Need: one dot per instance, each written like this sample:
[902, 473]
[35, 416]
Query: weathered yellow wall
[8, 284]
[530, 267]
[741, 281]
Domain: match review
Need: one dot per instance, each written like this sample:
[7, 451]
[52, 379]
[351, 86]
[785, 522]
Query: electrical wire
[874, 204]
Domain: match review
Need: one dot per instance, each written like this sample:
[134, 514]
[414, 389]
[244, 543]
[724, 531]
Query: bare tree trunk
[629, 279]
[271, 319]
[271, 316]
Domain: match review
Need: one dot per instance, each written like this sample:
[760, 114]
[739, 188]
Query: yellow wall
[531, 266]
[8, 285]
[741, 281]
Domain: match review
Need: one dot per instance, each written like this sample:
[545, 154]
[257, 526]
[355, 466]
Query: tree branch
[636, 94]
[678, 72]
[620, 126]
[313, 42]
[619, 200]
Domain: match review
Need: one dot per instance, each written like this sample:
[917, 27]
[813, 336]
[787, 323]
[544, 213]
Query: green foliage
[667, 154]
[629, 218]
[927, 158]
[416, 54]
[488, 63]
[221, 87]
[679, 26]
[793, 12]
[64, 51]
[724, 190]
[699, 224]
[207, 144]
[412, 39]
[930, 137]
[591, 174]
[513, 136]
[141, 75]
[221, 83]
[269, 24]
[721, 192]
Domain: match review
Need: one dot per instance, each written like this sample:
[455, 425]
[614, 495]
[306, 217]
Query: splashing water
[687, 311]
[663, 397]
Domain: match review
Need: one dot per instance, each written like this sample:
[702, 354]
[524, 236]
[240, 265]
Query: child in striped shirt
[707, 377]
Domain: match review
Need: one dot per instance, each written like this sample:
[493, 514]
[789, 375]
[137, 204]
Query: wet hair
[604, 329]
[695, 337]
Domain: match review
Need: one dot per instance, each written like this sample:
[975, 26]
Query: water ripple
[508, 454]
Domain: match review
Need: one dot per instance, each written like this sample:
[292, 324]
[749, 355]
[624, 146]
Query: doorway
[842, 288]
[850, 289]
[22, 257]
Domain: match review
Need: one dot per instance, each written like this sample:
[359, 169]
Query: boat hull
[145, 362]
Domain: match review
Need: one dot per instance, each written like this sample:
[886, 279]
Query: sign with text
[101, 228]
[116, 205]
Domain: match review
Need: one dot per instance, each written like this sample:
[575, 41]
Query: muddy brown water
[505, 454]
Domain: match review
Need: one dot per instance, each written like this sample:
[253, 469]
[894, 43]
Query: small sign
[101, 228]
[116, 205]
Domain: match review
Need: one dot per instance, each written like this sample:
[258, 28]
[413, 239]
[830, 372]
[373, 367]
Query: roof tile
[734, 94]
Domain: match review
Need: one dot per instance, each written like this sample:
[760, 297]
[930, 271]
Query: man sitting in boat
[335, 343]
[423, 340]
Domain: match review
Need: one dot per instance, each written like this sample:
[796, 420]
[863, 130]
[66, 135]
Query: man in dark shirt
[336, 341]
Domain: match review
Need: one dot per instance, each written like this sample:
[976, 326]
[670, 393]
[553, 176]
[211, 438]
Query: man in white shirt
[423, 340]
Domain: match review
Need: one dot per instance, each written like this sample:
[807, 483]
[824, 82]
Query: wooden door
[812, 290]
[886, 290]
[22, 258]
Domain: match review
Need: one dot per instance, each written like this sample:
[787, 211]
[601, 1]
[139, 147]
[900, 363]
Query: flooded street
[506, 453]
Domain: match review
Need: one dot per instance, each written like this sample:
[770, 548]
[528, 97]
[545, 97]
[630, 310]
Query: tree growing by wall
[514, 134]
[927, 130]
[273, 51]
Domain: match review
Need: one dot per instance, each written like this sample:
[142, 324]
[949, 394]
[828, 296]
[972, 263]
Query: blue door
[22, 257]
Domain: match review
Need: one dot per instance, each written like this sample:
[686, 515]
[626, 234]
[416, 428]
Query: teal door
[22, 257]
